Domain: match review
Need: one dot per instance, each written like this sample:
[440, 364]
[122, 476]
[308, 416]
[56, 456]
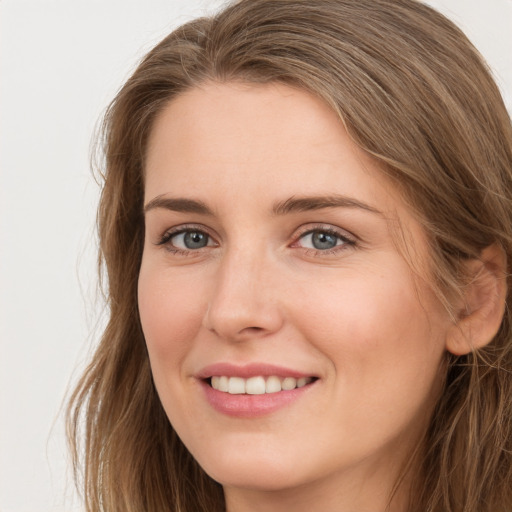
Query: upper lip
[249, 370]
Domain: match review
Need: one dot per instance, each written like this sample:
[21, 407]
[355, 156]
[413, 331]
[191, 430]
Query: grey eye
[320, 240]
[190, 240]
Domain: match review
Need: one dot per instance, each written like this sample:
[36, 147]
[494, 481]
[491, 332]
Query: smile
[258, 385]
[254, 389]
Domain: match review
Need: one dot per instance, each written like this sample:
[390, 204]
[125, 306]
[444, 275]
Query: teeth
[302, 382]
[273, 385]
[289, 383]
[257, 385]
[236, 386]
[220, 383]
[223, 384]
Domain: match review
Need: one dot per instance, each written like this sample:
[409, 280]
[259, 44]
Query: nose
[244, 301]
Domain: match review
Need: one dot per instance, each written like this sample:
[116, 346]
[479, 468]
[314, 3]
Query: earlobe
[484, 303]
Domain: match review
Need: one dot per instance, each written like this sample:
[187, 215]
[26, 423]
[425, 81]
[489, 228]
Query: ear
[484, 303]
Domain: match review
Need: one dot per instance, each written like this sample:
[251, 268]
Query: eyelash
[347, 240]
[166, 238]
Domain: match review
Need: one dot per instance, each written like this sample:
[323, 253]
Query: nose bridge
[243, 303]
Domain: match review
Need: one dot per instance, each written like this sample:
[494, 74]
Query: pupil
[323, 240]
[195, 240]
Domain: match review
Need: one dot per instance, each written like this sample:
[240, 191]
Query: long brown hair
[414, 93]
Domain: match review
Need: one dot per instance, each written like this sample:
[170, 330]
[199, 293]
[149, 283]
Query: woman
[306, 225]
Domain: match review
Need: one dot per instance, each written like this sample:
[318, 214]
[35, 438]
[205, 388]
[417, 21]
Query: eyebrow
[292, 205]
[308, 203]
[178, 204]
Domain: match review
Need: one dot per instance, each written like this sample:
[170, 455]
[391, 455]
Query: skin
[356, 316]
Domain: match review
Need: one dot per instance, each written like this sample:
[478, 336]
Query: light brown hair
[414, 93]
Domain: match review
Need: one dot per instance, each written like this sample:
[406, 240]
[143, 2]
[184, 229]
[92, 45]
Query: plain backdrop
[61, 63]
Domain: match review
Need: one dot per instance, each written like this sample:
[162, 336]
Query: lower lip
[251, 406]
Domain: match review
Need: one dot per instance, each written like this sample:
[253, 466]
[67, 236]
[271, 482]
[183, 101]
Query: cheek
[385, 359]
[384, 342]
[358, 309]
[171, 313]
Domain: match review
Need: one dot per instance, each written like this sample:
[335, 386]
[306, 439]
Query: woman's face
[271, 271]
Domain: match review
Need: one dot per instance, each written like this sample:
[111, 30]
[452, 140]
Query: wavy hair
[415, 94]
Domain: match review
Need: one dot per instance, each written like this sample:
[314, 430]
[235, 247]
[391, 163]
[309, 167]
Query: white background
[61, 63]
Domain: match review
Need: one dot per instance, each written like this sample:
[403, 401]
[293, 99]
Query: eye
[186, 240]
[320, 240]
[324, 240]
[190, 240]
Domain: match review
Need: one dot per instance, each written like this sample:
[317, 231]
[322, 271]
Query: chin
[256, 473]
[256, 479]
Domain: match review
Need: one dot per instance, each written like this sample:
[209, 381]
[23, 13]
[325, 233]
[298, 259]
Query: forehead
[256, 135]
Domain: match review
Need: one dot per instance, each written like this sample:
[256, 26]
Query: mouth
[253, 390]
[257, 385]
